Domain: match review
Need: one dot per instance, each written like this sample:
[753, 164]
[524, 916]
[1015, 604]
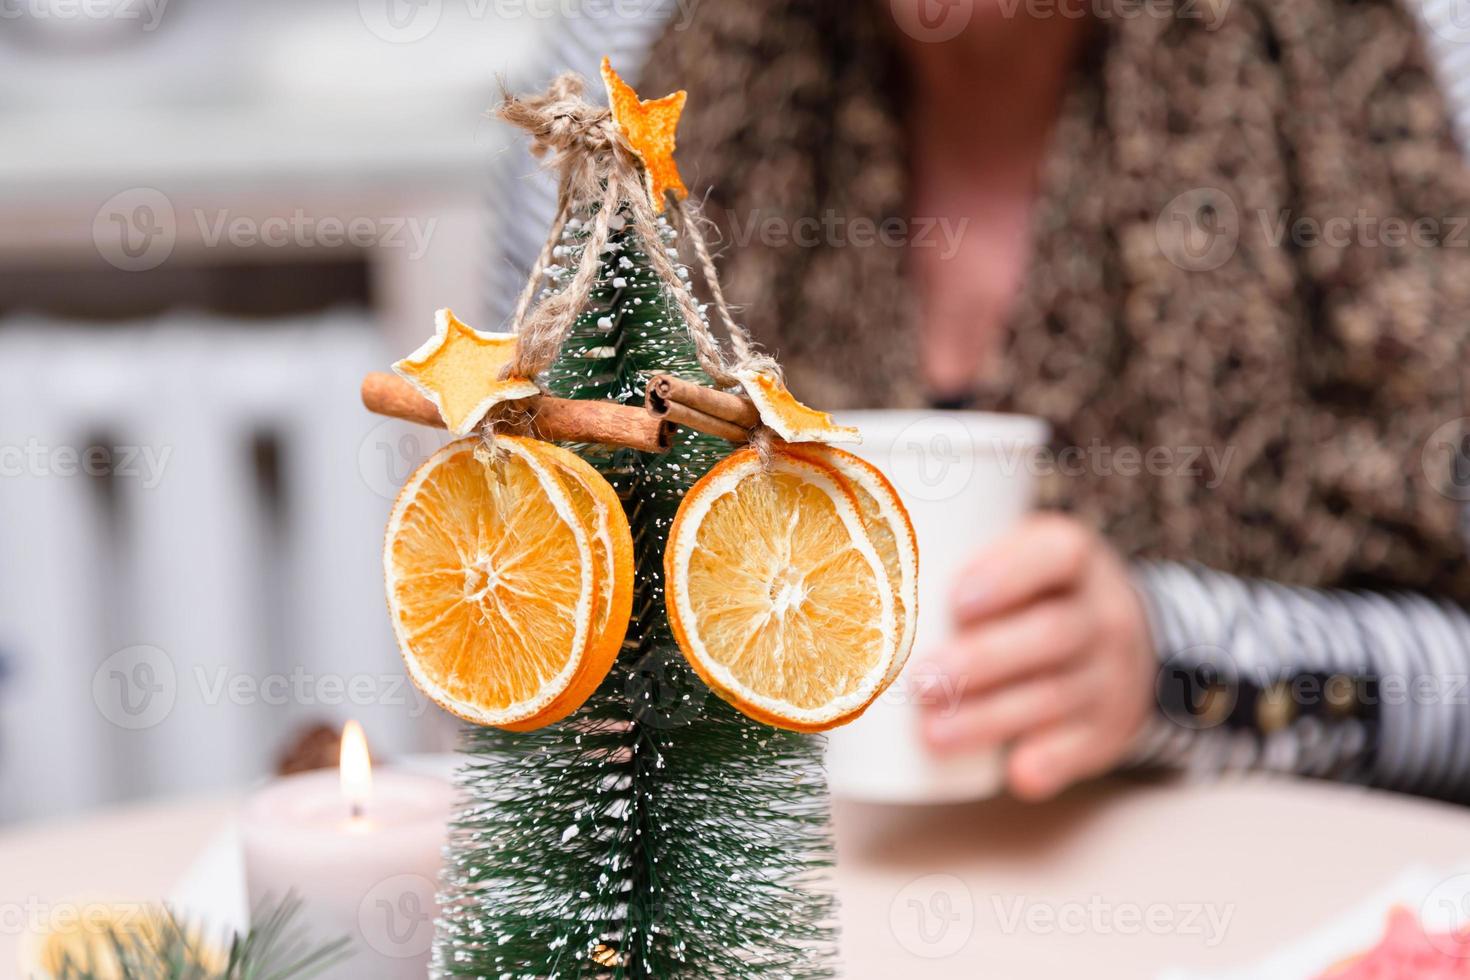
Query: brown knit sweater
[1314, 373]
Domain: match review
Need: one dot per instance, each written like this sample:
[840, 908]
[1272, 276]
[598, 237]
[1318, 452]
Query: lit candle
[362, 851]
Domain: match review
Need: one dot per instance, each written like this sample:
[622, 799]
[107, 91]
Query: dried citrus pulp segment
[491, 581]
[887, 522]
[789, 418]
[597, 503]
[775, 593]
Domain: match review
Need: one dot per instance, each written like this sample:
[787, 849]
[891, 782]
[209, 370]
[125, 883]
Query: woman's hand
[1051, 654]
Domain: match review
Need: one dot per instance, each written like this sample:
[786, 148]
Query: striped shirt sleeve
[1366, 687]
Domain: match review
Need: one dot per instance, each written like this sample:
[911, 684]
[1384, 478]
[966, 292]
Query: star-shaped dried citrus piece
[789, 418]
[459, 368]
[649, 129]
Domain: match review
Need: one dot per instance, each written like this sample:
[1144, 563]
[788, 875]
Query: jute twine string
[691, 227]
[596, 165]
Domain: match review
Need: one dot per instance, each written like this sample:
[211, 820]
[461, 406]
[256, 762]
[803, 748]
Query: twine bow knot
[598, 168]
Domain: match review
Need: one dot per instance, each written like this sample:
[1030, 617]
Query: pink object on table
[1408, 951]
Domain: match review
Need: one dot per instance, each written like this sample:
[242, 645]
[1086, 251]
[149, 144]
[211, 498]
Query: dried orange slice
[775, 593]
[491, 581]
[597, 503]
[887, 522]
[789, 418]
[459, 370]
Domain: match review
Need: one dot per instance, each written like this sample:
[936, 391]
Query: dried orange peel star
[459, 370]
[789, 418]
[649, 128]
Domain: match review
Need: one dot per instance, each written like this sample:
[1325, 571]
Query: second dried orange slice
[775, 593]
[891, 531]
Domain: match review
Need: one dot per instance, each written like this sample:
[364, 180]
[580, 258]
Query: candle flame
[356, 768]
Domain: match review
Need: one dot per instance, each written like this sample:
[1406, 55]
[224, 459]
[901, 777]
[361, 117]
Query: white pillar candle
[362, 850]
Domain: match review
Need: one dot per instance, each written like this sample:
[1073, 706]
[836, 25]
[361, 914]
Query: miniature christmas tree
[657, 832]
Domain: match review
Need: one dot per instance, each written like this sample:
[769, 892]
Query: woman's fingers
[1002, 714]
[1045, 553]
[1046, 762]
[1053, 656]
[1038, 637]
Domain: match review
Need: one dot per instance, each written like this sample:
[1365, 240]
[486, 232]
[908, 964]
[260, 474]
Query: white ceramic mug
[965, 478]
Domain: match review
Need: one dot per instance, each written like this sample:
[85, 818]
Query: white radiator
[167, 624]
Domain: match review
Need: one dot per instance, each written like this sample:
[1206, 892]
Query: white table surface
[1225, 872]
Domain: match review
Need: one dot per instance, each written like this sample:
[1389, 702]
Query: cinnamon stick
[553, 419]
[685, 415]
[665, 391]
[388, 394]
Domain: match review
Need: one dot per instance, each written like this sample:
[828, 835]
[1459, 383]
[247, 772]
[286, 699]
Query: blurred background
[214, 217]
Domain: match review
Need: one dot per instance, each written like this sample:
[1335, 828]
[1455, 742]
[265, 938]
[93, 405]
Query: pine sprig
[658, 832]
[170, 948]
